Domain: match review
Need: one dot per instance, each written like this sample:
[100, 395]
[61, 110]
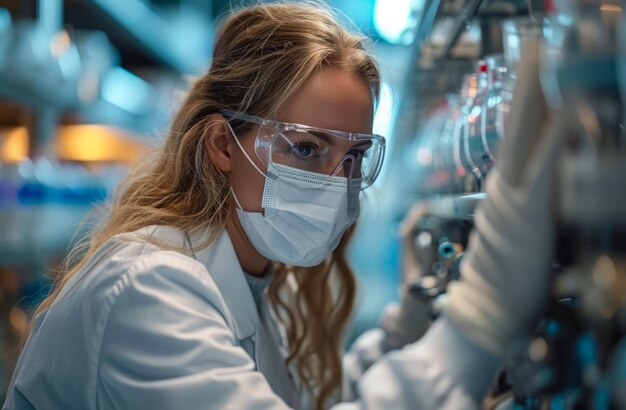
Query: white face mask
[306, 214]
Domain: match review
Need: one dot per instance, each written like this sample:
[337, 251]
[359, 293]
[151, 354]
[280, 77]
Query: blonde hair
[262, 55]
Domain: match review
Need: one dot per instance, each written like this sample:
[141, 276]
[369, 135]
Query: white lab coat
[142, 327]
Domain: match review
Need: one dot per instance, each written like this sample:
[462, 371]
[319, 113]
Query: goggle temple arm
[244, 151]
[353, 188]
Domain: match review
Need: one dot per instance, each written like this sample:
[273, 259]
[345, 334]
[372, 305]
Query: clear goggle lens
[326, 152]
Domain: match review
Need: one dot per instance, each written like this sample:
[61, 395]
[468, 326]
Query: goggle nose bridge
[349, 156]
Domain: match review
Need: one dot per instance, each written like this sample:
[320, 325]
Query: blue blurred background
[87, 86]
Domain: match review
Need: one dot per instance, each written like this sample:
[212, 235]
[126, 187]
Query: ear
[218, 140]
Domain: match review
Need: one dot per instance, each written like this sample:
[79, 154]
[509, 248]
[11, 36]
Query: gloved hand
[408, 321]
[505, 273]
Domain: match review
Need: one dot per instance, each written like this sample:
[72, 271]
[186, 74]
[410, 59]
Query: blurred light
[611, 8]
[538, 349]
[13, 144]
[60, 43]
[424, 156]
[96, 143]
[127, 91]
[384, 116]
[424, 239]
[18, 320]
[474, 114]
[392, 20]
[604, 272]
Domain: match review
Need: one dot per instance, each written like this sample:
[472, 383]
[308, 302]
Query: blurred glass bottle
[421, 155]
[497, 75]
[465, 179]
[440, 177]
[448, 167]
[473, 146]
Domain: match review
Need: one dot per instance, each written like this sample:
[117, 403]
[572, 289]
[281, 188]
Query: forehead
[331, 98]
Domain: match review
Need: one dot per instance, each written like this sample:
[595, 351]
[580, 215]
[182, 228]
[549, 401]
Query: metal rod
[50, 15]
[459, 24]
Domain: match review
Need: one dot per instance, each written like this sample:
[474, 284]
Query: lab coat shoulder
[150, 328]
[168, 341]
[169, 344]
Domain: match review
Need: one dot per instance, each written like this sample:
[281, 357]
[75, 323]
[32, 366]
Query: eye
[305, 150]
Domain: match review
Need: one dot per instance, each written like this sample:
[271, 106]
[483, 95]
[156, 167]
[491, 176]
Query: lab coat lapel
[223, 266]
[270, 361]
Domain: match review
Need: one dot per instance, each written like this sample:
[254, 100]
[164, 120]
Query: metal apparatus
[577, 356]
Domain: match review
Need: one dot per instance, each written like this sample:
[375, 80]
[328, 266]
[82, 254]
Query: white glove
[505, 273]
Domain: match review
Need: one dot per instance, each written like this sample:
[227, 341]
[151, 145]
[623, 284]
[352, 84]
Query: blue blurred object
[43, 205]
[394, 20]
[127, 91]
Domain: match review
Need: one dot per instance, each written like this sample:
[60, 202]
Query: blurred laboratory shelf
[37, 235]
[179, 41]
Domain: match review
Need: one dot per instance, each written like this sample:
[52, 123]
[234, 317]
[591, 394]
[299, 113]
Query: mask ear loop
[235, 198]
[249, 159]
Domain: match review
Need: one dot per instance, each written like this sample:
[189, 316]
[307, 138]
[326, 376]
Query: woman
[220, 280]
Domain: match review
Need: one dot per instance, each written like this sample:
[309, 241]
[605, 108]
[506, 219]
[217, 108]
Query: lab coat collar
[223, 266]
[221, 261]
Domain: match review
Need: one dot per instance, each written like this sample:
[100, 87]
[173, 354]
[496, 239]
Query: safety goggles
[323, 151]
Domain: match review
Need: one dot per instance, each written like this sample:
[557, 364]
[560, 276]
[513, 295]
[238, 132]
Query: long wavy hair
[262, 56]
